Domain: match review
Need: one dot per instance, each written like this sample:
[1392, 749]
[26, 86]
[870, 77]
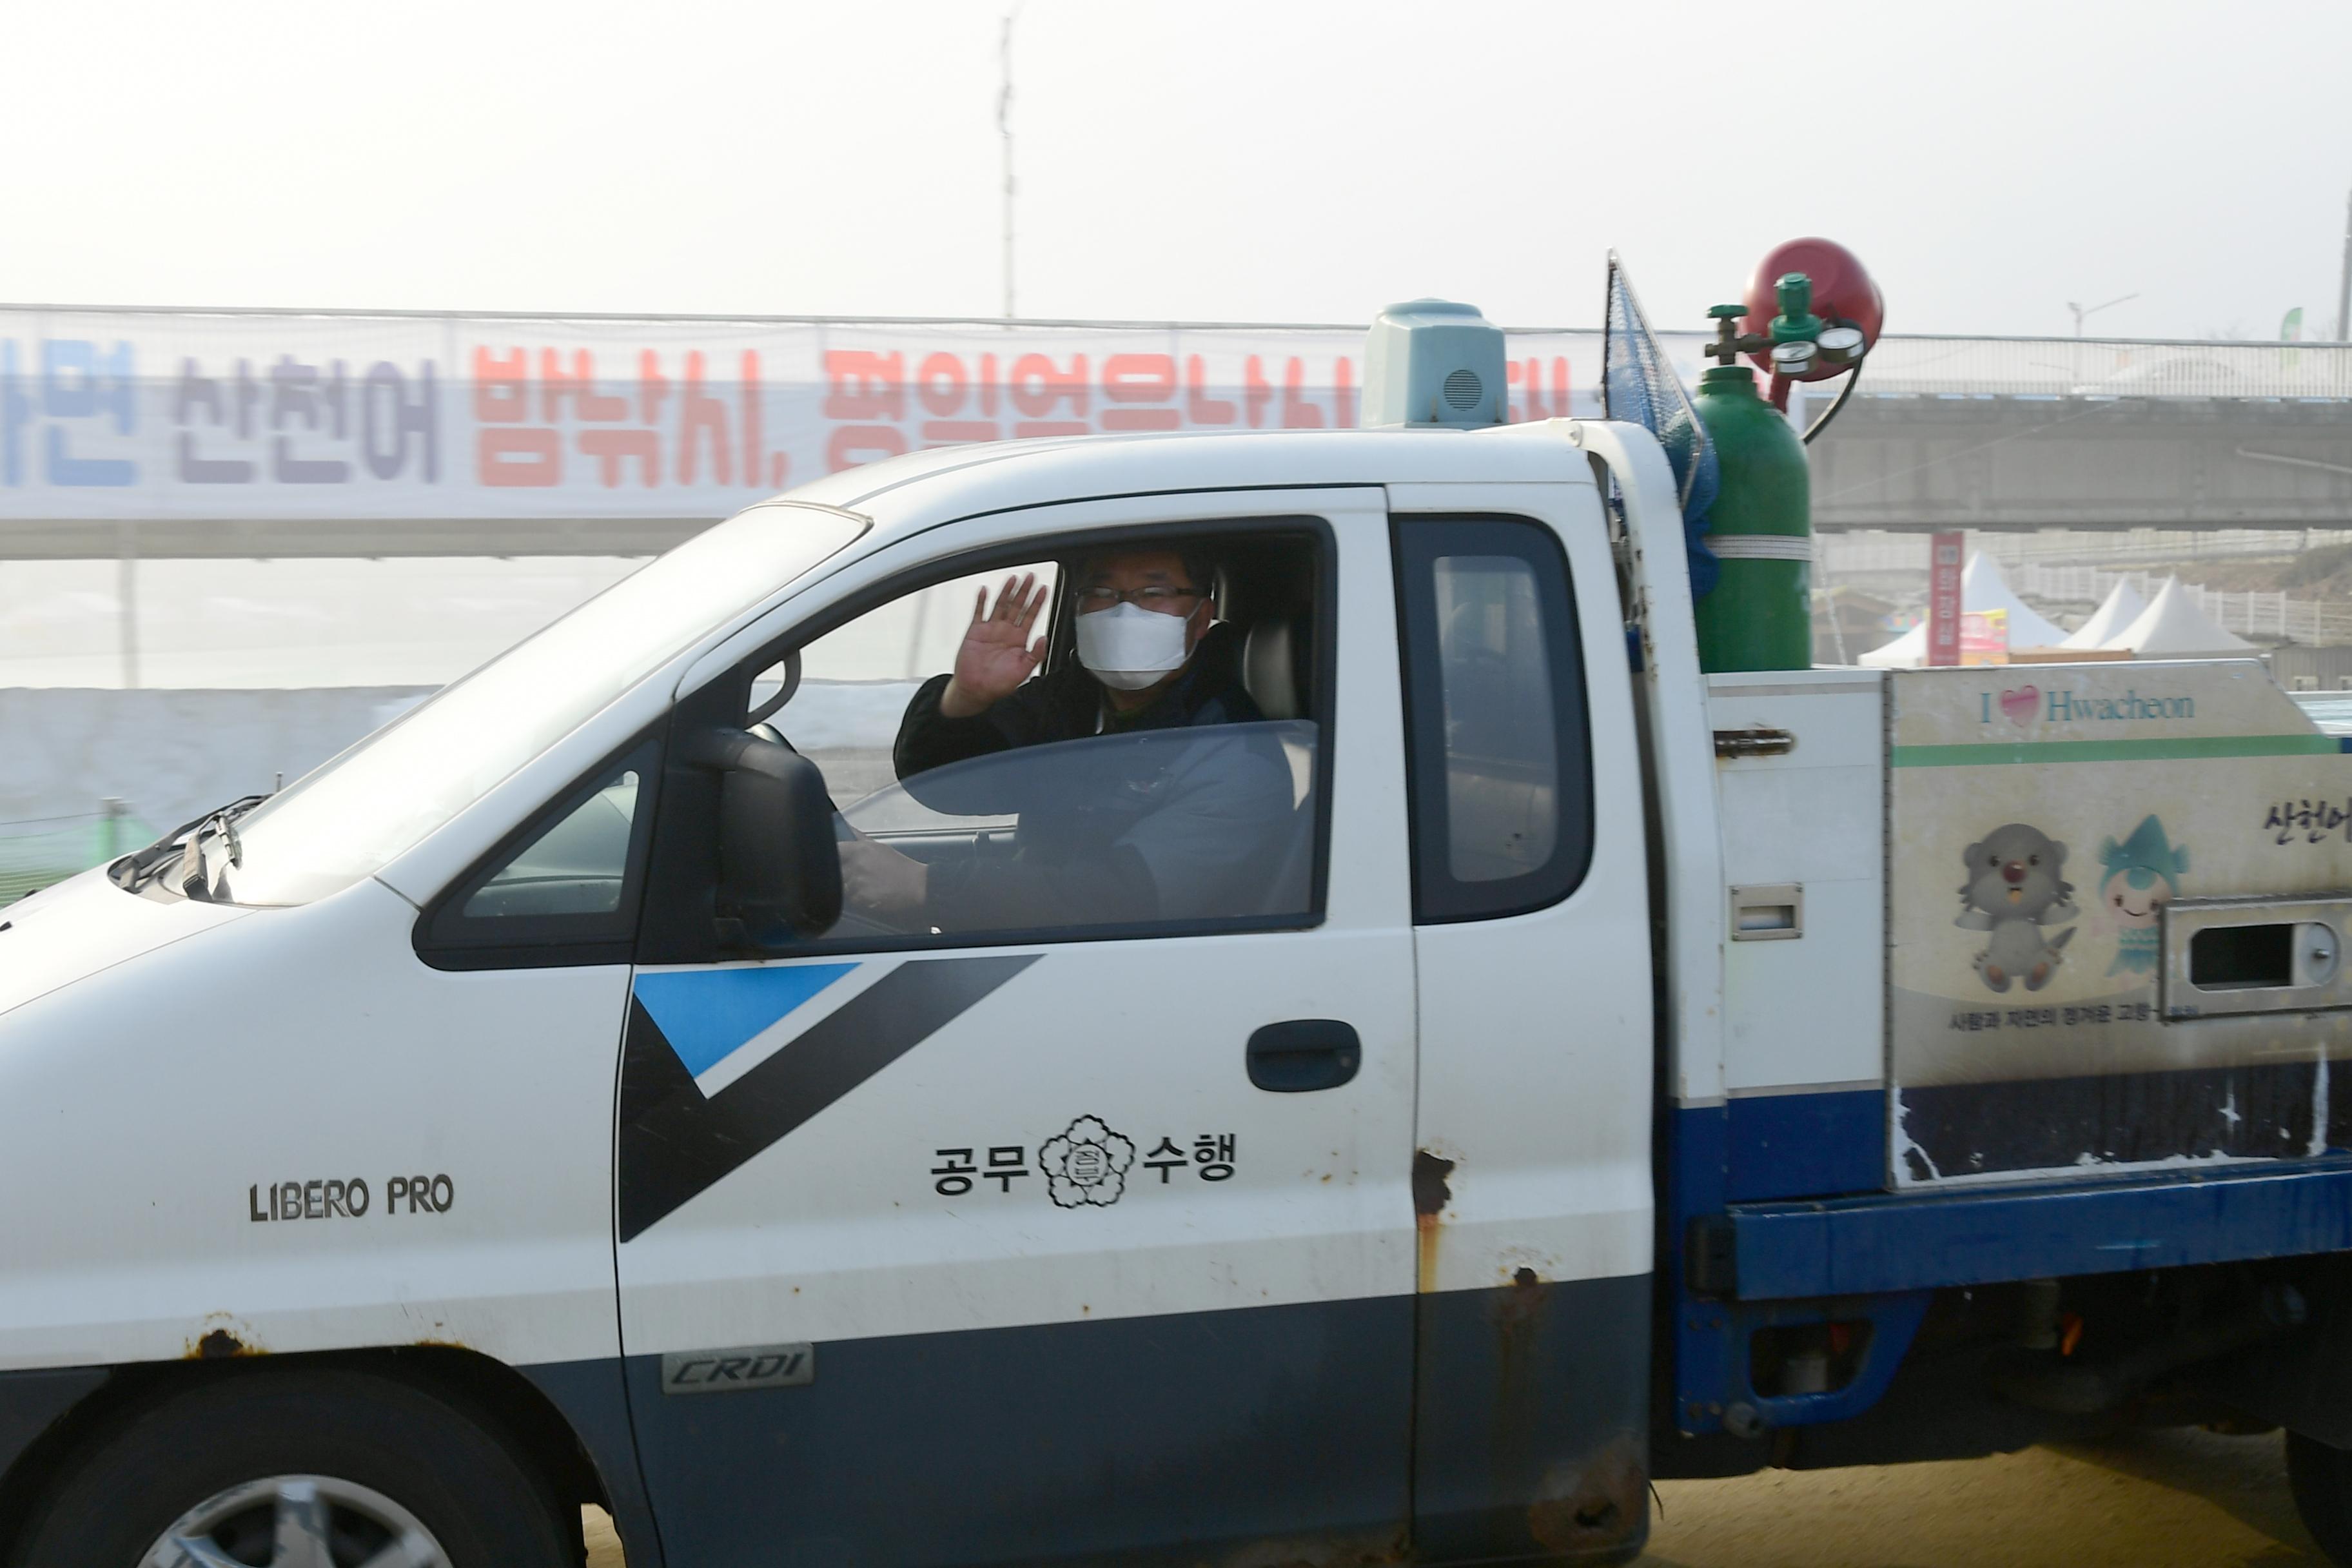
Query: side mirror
[779, 863]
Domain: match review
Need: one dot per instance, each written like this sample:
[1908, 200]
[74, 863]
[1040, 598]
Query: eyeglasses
[1159, 596]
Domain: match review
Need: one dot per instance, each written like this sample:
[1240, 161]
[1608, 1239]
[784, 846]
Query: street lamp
[2080, 312]
[1005, 131]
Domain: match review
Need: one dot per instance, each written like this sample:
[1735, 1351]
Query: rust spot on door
[221, 1342]
[1430, 1196]
[1599, 1504]
[1517, 1314]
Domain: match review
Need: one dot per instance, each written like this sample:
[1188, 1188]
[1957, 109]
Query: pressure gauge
[1840, 345]
[1792, 358]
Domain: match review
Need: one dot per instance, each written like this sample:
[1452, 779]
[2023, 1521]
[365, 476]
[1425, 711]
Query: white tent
[2122, 607]
[1908, 651]
[1982, 587]
[2172, 626]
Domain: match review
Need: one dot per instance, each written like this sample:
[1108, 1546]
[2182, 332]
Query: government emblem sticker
[1086, 1164]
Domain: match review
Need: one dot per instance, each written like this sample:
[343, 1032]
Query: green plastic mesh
[33, 854]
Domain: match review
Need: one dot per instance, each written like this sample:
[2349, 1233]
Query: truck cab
[1237, 1146]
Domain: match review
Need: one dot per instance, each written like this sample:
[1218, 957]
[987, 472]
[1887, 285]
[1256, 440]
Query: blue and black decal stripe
[677, 1141]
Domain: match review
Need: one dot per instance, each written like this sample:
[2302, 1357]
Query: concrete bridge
[1920, 462]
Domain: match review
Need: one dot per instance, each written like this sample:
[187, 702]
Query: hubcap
[297, 1522]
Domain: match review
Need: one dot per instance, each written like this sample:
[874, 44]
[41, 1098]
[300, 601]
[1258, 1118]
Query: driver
[1144, 616]
[1109, 835]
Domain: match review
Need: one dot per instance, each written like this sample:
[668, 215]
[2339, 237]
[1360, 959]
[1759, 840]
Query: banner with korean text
[109, 417]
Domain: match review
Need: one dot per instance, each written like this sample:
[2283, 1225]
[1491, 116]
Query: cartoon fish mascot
[2143, 875]
[2015, 891]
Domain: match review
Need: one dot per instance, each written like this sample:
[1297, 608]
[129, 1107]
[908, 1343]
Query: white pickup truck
[1495, 1064]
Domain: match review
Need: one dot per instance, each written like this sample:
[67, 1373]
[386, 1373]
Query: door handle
[1304, 1054]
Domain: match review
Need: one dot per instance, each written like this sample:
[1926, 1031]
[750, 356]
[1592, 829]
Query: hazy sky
[1259, 160]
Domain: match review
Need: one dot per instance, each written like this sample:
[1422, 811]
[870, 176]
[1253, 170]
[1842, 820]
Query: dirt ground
[2157, 1499]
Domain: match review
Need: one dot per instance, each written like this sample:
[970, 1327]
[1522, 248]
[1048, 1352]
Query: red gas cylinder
[1842, 294]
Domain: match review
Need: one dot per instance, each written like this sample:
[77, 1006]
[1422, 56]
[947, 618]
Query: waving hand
[997, 655]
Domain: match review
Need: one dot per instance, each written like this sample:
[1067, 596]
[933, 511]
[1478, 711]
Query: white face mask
[1132, 647]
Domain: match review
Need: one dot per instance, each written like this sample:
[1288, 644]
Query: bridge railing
[2105, 367]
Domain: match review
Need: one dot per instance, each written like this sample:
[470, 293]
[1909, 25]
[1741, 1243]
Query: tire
[2321, 1479]
[362, 1458]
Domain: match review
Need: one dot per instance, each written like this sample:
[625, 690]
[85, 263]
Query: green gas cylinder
[1761, 615]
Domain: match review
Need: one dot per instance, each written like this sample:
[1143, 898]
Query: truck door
[1530, 908]
[1057, 1208]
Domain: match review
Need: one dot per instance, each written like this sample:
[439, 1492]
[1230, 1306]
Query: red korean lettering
[1257, 391]
[1199, 408]
[1532, 404]
[614, 449]
[699, 412]
[653, 387]
[1037, 386]
[940, 385]
[1129, 380]
[501, 386]
[747, 395]
[1343, 394]
[517, 458]
[943, 388]
[1297, 414]
[611, 448]
[862, 385]
[555, 385]
[522, 457]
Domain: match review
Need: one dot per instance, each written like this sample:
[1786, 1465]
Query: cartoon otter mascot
[2014, 890]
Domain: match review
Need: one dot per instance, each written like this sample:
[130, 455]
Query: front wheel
[331, 1470]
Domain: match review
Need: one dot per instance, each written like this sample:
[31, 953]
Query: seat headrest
[1270, 666]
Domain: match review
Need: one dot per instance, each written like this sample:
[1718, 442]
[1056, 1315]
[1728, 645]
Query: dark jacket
[1134, 826]
[1068, 705]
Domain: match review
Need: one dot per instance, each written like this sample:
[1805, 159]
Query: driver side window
[857, 680]
[1123, 740]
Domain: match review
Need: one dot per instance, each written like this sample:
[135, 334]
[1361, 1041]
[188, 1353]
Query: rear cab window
[1498, 747]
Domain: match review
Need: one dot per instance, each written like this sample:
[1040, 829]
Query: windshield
[352, 816]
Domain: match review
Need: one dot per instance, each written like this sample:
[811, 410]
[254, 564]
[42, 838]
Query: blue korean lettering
[76, 383]
[192, 390]
[15, 414]
[298, 391]
[388, 418]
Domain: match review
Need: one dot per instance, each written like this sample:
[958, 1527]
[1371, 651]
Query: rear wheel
[2321, 1479]
[330, 1469]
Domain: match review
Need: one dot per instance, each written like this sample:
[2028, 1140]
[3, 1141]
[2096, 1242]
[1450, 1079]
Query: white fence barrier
[2277, 615]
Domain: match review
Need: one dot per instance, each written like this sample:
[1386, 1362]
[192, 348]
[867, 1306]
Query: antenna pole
[1005, 131]
[2344, 283]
